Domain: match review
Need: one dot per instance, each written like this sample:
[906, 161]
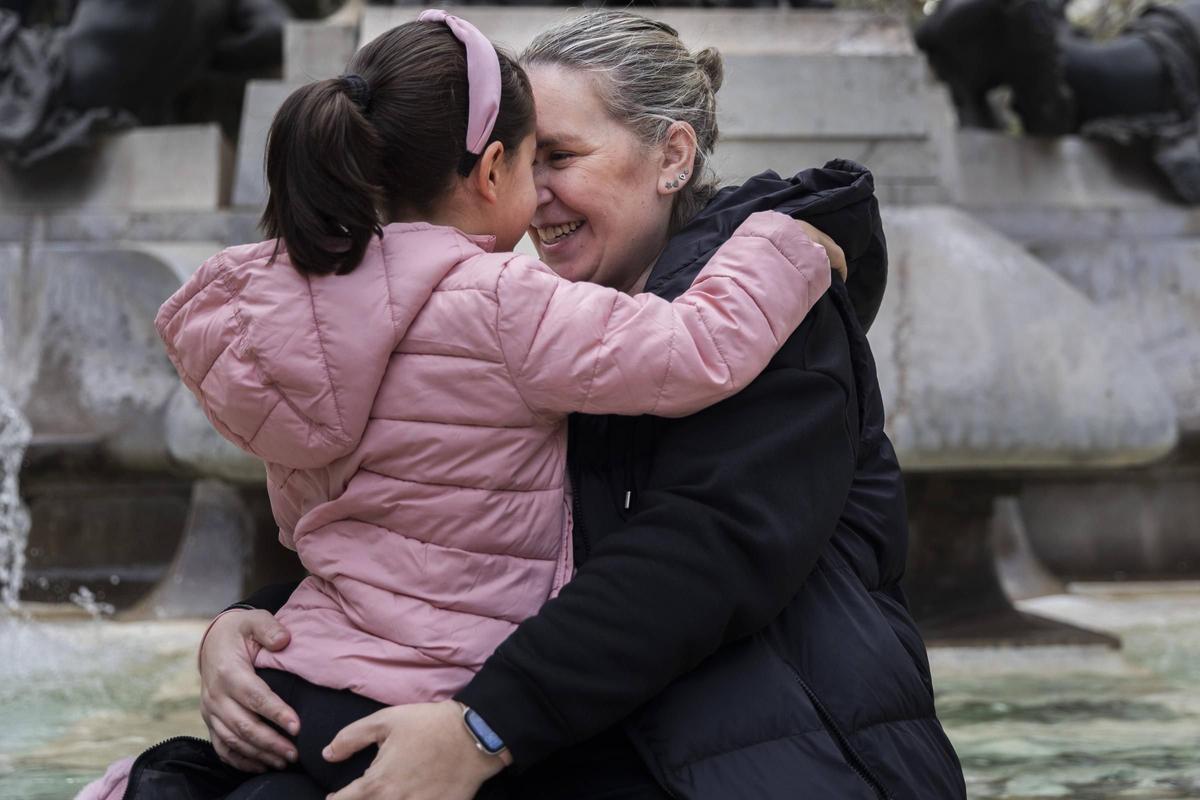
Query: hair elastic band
[357, 89]
[483, 78]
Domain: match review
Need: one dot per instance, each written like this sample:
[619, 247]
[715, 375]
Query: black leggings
[323, 712]
[603, 768]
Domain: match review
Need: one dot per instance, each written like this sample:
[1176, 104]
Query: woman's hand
[425, 753]
[234, 700]
[837, 258]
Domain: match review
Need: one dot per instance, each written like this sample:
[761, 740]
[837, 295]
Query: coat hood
[287, 366]
[838, 198]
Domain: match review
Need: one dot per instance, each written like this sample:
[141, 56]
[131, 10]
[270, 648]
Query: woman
[736, 627]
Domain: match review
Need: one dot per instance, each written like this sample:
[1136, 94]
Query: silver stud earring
[683, 176]
[672, 184]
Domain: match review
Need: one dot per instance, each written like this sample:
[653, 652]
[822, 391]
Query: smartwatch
[485, 738]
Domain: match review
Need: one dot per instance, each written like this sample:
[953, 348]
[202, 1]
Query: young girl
[407, 385]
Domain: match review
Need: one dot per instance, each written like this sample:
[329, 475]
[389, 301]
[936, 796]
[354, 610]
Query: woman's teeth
[553, 233]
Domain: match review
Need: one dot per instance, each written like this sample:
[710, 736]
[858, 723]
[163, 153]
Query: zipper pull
[628, 499]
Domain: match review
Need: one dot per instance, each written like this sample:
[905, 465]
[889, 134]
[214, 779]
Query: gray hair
[649, 80]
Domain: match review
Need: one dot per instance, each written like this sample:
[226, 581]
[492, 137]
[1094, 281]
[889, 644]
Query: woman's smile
[599, 217]
[557, 233]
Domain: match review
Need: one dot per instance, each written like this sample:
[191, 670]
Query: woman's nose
[541, 181]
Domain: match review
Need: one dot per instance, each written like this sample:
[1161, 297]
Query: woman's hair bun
[713, 66]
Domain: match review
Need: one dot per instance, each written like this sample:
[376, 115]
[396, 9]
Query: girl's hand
[837, 258]
[425, 753]
[234, 700]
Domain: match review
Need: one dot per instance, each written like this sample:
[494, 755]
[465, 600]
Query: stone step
[998, 170]
[800, 88]
[1063, 189]
[316, 50]
[263, 99]
[788, 74]
[902, 160]
[794, 96]
[169, 168]
[906, 170]
[848, 33]
[108, 225]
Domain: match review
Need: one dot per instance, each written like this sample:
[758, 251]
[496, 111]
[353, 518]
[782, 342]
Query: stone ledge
[316, 50]
[263, 99]
[856, 33]
[1052, 226]
[106, 226]
[145, 169]
[737, 158]
[823, 95]
[1002, 171]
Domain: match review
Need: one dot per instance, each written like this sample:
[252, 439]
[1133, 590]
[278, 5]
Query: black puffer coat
[737, 602]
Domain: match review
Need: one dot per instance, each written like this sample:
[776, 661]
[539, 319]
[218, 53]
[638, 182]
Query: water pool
[1077, 723]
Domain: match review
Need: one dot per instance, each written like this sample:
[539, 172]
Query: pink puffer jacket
[412, 414]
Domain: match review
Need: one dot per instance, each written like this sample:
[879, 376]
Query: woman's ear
[486, 176]
[678, 158]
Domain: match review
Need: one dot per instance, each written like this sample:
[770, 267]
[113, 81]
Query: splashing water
[14, 517]
[85, 599]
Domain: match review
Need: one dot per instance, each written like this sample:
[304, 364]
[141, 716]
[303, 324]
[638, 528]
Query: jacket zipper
[576, 505]
[853, 759]
[140, 763]
[577, 521]
[630, 452]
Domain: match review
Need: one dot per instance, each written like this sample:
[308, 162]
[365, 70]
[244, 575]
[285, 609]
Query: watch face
[483, 732]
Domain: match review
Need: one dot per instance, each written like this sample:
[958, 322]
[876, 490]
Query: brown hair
[341, 153]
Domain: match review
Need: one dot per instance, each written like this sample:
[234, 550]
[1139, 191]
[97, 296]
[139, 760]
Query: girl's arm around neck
[581, 347]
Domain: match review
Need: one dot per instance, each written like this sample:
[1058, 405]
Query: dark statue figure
[112, 64]
[1140, 88]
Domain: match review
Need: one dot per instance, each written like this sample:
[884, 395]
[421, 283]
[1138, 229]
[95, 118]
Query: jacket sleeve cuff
[204, 636]
[516, 711]
[268, 598]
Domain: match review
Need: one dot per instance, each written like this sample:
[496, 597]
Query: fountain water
[14, 517]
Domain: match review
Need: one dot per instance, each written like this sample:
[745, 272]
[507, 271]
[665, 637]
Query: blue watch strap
[486, 739]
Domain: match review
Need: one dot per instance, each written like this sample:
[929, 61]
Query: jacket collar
[838, 198]
[484, 242]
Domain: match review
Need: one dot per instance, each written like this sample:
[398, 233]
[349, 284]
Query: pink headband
[483, 77]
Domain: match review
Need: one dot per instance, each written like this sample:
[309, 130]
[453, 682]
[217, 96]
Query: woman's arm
[581, 347]
[740, 502]
[269, 598]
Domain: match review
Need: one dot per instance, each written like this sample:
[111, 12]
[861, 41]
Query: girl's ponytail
[323, 156]
[382, 143]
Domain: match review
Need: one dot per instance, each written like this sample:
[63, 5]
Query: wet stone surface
[1081, 723]
[79, 693]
